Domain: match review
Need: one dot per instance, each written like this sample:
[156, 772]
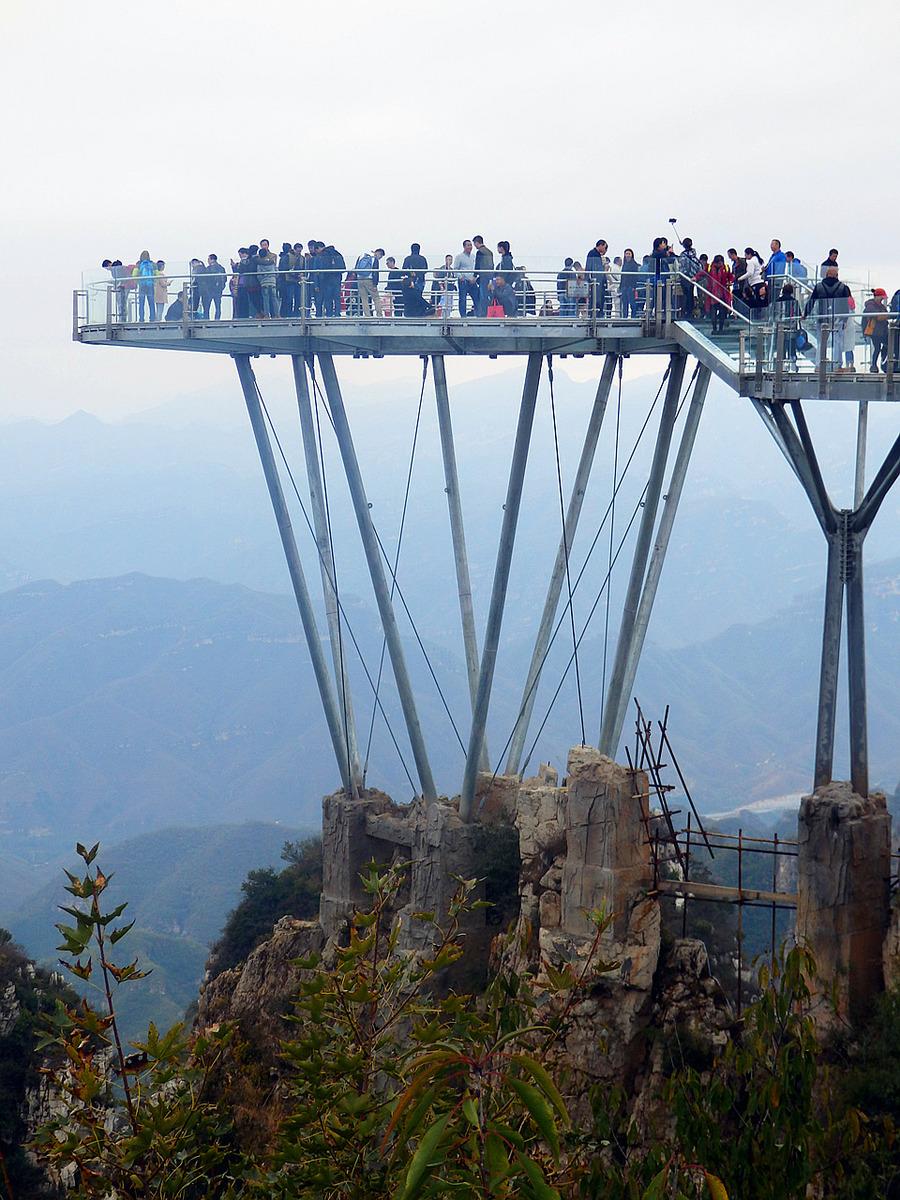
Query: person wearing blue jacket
[776, 268]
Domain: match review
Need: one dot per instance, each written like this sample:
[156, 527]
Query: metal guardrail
[771, 341]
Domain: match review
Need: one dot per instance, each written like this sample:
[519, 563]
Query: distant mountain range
[132, 704]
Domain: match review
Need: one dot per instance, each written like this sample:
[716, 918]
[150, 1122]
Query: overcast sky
[190, 128]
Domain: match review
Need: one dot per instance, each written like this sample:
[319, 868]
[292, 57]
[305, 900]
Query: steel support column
[862, 428]
[663, 534]
[326, 561]
[295, 567]
[856, 664]
[457, 529]
[458, 536]
[830, 663]
[376, 571]
[501, 581]
[573, 513]
[616, 697]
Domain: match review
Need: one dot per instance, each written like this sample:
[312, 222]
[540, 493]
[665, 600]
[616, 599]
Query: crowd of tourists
[315, 280]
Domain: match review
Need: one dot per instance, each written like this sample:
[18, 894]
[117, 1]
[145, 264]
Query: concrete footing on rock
[558, 855]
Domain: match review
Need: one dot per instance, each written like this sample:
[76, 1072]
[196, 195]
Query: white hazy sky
[192, 127]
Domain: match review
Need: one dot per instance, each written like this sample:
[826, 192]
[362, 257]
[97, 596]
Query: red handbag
[496, 310]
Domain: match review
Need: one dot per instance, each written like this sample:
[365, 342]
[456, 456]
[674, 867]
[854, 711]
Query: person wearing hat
[875, 318]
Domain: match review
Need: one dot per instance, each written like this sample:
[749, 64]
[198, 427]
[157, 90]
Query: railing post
[891, 351]
[779, 361]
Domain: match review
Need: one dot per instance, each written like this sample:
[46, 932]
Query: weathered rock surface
[843, 896]
[258, 993]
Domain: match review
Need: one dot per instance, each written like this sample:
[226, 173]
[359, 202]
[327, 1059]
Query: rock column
[843, 893]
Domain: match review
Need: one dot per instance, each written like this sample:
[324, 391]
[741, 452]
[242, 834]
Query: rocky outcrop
[258, 994]
[843, 894]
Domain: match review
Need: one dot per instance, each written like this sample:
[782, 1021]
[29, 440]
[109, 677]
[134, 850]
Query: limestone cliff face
[27, 1098]
[258, 993]
[582, 847]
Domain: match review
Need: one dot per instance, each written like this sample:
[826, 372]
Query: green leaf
[423, 1161]
[539, 1186]
[541, 1077]
[87, 855]
[657, 1188]
[118, 934]
[496, 1158]
[540, 1112]
[470, 1112]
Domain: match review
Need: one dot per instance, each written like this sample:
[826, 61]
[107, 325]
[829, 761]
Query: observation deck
[755, 354]
[776, 356]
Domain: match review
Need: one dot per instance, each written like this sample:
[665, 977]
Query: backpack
[365, 262]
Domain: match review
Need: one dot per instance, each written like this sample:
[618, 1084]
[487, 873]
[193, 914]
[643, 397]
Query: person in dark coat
[503, 293]
[414, 303]
[212, 285]
[394, 286]
[628, 284]
[829, 302]
[416, 264]
[596, 264]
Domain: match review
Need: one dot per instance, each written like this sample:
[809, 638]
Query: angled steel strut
[326, 561]
[372, 552]
[295, 568]
[501, 581]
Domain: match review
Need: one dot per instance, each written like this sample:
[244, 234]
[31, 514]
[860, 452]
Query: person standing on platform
[254, 294]
[597, 266]
[416, 264]
[313, 290]
[689, 267]
[720, 280]
[267, 274]
[793, 267]
[875, 315]
[484, 270]
[629, 278]
[367, 282]
[394, 286]
[145, 270]
[443, 285]
[212, 285]
[830, 261]
[286, 280]
[563, 279]
[330, 263]
[160, 290]
[467, 280]
[776, 267]
[829, 302]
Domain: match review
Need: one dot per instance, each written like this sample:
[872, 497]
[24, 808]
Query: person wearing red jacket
[720, 281]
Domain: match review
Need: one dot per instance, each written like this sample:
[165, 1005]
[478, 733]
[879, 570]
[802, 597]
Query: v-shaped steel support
[845, 531]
